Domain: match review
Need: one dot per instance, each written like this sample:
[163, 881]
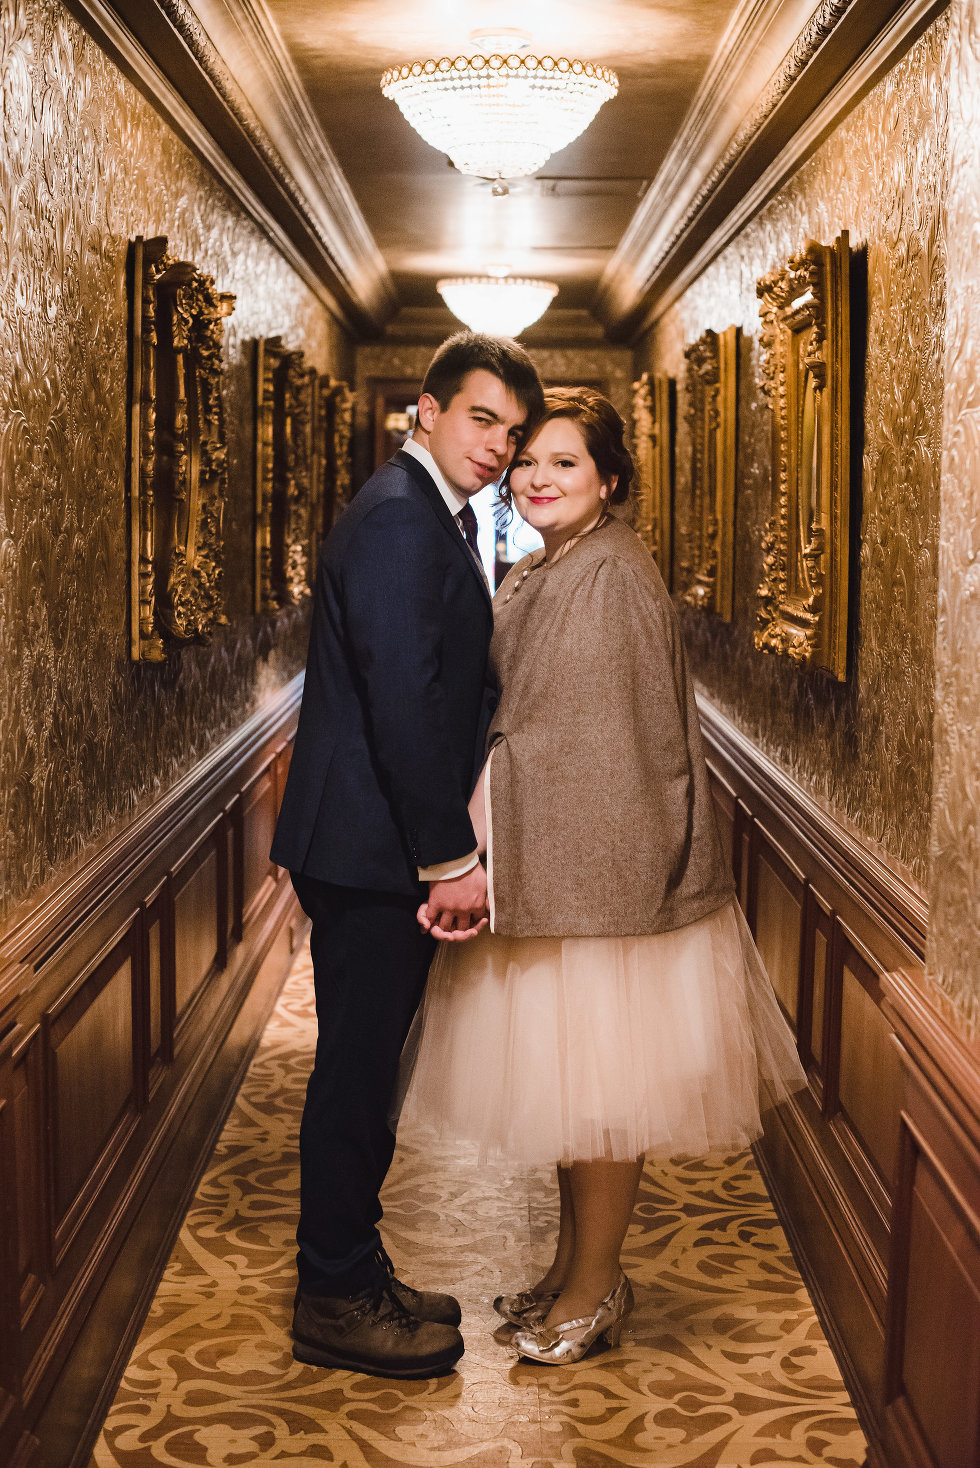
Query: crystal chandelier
[500, 116]
[500, 306]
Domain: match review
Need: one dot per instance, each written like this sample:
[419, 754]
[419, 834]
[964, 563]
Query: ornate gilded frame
[335, 418]
[285, 476]
[803, 597]
[653, 441]
[707, 536]
[178, 461]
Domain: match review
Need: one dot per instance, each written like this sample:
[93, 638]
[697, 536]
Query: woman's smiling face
[555, 482]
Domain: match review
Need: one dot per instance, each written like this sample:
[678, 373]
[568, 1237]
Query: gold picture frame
[803, 597]
[178, 460]
[706, 546]
[284, 476]
[335, 420]
[653, 440]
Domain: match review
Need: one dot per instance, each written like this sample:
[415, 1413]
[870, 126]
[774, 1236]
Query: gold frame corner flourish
[178, 460]
[653, 441]
[706, 548]
[805, 339]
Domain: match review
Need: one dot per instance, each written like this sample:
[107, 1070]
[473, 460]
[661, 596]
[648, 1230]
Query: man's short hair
[472, 351]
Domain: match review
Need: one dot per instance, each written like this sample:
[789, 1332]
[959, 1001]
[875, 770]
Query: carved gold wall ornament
[707, 537]
[178, 472]
[805, 342]
[653, 440]
[284, 475]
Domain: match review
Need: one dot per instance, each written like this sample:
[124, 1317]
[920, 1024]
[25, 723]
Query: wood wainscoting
[875, 1168]
[130, 1000]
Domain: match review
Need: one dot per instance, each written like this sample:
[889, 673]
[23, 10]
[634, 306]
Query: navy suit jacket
[398, 695]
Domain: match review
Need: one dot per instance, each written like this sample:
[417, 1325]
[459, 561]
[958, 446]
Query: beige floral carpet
[724, 1363]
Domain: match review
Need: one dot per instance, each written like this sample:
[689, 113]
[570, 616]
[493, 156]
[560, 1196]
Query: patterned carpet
[724, 1364]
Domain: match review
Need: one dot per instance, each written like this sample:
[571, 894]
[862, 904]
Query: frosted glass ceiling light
[498, 306]
[500, 115]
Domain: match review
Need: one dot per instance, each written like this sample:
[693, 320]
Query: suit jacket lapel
[425, 482]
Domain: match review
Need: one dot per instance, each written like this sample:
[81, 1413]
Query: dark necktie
[467, 523]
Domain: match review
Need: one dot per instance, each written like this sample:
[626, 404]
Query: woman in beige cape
[616, 1008]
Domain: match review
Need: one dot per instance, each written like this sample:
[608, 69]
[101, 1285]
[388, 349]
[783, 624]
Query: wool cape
[600, 816]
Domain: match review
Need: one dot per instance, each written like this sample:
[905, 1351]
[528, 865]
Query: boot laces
[384, 1305]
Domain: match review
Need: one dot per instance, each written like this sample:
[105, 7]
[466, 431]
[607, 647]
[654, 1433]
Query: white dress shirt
[443, 871]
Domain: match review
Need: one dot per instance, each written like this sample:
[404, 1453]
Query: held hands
[456, 909]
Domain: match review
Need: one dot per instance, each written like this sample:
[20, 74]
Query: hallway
[724, 1364]
[228, 257]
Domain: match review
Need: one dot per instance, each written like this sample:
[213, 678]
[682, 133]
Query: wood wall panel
[875, 1167]
[134, 996]
[869, 1083]
[258, 824]
[17, 1445]
[776, 912]
[92, 1080]
[198, 924]
[932, 1394]
[27, 1111]
[155, 920]
[942, 1322]
[819, 945]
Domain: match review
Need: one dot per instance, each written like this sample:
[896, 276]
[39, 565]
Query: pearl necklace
[521, 579]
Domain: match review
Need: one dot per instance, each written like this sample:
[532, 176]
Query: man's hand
[456, 909]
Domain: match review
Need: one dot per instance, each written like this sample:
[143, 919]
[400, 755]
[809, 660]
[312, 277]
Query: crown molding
[219, 73]
[783, 77]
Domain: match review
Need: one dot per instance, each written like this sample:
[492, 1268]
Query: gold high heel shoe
[526, 1308]
[564, 1344]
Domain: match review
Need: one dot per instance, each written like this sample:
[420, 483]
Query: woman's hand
[457, 935]
[457, 909]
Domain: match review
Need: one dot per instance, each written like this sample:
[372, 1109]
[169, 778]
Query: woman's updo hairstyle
[602, 429]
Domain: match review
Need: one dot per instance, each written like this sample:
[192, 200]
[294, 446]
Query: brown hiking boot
[423, 1304]
[372, 1333]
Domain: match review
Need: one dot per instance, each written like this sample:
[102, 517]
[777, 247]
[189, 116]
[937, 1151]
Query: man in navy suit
[374, 818]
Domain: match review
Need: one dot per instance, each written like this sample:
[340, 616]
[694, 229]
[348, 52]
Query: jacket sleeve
[393, 583]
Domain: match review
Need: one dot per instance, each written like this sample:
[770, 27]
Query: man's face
[472, 439]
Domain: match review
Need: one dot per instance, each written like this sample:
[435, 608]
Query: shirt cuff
[444, 871]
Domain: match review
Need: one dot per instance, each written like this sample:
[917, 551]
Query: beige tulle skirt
[564, 1049]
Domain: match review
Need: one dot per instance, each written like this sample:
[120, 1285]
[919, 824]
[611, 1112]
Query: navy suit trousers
[370, 961]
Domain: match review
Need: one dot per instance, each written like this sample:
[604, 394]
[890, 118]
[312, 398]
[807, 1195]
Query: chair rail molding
[219, 73]
[784, 75]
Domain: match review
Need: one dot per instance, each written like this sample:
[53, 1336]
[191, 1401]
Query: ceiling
[428, 219]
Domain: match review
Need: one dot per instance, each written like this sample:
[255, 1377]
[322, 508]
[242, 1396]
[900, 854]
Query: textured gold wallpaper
[953, 952]
[863, 748]
[85, 164]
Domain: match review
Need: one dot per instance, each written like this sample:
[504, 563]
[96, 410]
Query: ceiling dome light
[500, 307]
[500, 116]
